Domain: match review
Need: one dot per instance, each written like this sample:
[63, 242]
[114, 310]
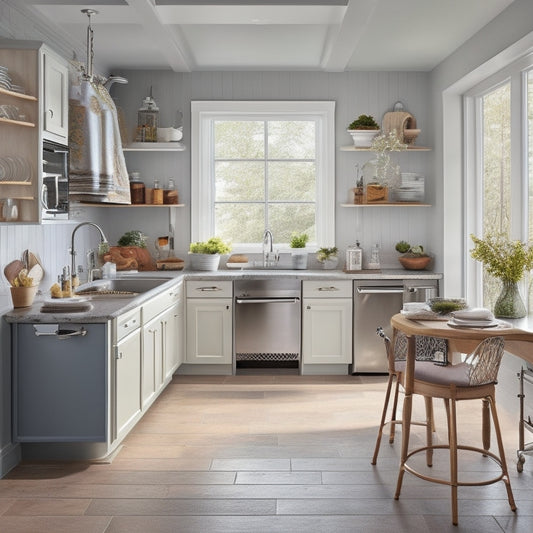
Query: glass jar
[136, 189]
[10, 210]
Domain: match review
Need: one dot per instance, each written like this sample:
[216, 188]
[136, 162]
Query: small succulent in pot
[323, 254]
[414, 257]
[364, 122]
[328, 257]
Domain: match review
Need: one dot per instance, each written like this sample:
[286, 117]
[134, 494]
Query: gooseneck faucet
[268, 248]
[103, 240]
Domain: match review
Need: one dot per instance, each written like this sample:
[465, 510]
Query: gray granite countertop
[104, 309]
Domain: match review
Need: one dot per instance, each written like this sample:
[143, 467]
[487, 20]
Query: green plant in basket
[443, 306]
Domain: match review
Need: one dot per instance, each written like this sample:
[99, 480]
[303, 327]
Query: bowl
[444, 306]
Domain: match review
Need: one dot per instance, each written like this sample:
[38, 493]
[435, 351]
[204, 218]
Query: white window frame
[203, 113]
[516, 75]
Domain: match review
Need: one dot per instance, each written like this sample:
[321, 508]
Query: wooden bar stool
[473, 379]
[396, 366]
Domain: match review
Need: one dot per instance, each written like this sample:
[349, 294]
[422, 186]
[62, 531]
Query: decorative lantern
[147, 120]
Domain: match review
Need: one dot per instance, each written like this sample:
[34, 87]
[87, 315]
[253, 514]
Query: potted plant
[508, 261]
[206, 255]
[363, 129]
[379, 173]
[328, 257]
[299, 258]
[413, 257]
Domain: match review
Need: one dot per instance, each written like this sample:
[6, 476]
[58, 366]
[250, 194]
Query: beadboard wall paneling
[354, 93]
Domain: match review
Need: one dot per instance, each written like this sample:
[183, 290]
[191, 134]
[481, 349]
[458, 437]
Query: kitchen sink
[120, 286]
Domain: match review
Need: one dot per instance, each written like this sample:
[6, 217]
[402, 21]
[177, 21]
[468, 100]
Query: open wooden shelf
[154, 147]
[18, 95]
[91, 204]
[409, 149]
[18, 122]
[388, 204]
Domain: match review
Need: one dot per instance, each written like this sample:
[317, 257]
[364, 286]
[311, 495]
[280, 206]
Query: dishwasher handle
[61, 333]
[380, 290]
[267, 300]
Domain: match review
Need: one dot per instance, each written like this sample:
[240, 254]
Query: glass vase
[509, 303]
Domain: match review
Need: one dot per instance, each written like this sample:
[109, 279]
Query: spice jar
[157, 194]
[136, 189]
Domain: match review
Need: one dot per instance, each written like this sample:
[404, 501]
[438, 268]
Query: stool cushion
[443, 375]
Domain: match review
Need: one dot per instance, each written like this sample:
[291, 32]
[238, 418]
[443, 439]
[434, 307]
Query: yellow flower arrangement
[505, 259]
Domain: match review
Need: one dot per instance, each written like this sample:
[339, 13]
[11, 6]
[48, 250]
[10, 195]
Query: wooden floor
[263, 454]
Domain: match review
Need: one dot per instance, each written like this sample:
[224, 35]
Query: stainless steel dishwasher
[267, 323]
[375, 301]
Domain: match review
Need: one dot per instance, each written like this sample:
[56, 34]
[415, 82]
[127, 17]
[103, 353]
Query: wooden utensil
[36, 272]
[12, 270]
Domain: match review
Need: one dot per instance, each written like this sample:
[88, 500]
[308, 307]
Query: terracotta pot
[414, 263]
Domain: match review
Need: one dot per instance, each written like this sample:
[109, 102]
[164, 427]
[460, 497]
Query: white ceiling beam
[164, 35]
[342, 43]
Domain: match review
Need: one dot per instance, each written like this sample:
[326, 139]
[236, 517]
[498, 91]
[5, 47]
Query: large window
[263, 165]
[500, 184]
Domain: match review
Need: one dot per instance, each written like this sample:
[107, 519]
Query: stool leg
[485, 417]
[452, 430]
[429, 429]
[383, 417]
[510, 497]
[394, 410]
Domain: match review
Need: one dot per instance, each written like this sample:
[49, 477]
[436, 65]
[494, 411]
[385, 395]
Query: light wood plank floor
[263, 454]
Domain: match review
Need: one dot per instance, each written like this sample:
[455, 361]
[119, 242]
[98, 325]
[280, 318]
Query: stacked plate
[5, 80]
[477, 317]
[14, 169]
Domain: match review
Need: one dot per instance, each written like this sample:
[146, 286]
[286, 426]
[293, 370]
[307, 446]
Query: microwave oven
[54, 192]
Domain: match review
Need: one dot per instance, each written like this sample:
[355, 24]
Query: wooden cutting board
[12, 270]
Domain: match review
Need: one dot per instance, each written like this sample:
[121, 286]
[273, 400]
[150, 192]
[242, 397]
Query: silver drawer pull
[332, 288]
[208, 289]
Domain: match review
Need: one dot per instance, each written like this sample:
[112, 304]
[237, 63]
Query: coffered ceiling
[315, 35]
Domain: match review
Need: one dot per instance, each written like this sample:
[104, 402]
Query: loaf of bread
[238, 258]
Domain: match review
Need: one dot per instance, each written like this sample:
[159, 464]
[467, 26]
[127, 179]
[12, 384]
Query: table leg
[407, 408]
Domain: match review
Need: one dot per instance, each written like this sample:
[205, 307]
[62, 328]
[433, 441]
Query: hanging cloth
[98, 170]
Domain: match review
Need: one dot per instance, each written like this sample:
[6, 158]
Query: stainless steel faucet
[268, 247]
[103, 239]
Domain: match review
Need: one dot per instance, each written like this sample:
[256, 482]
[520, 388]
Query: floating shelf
[26, 183]
[18, 95]
[18, 122]
[91, 204]
[154, 147]
[388, 204]
[409, 149]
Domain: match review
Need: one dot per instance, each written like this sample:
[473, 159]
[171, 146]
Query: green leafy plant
[133, 238]
[414, 251]
[215, 245]
[364, 122]
[323, 254]
[503, 258]
[299, 240]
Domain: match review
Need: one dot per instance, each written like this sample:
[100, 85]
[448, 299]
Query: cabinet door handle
[308, 307]
[51, 111]
[209, 289]
[332, 288]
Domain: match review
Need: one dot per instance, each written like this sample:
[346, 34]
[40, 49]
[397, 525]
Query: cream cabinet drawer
[327, 289]
[159, 303]
[209, 289]
[127, 323]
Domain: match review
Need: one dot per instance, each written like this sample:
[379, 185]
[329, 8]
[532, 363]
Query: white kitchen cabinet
[55, 97]
[327, 323]
[152, 361]
[171, 340]
[127, 359]
[209, 322]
